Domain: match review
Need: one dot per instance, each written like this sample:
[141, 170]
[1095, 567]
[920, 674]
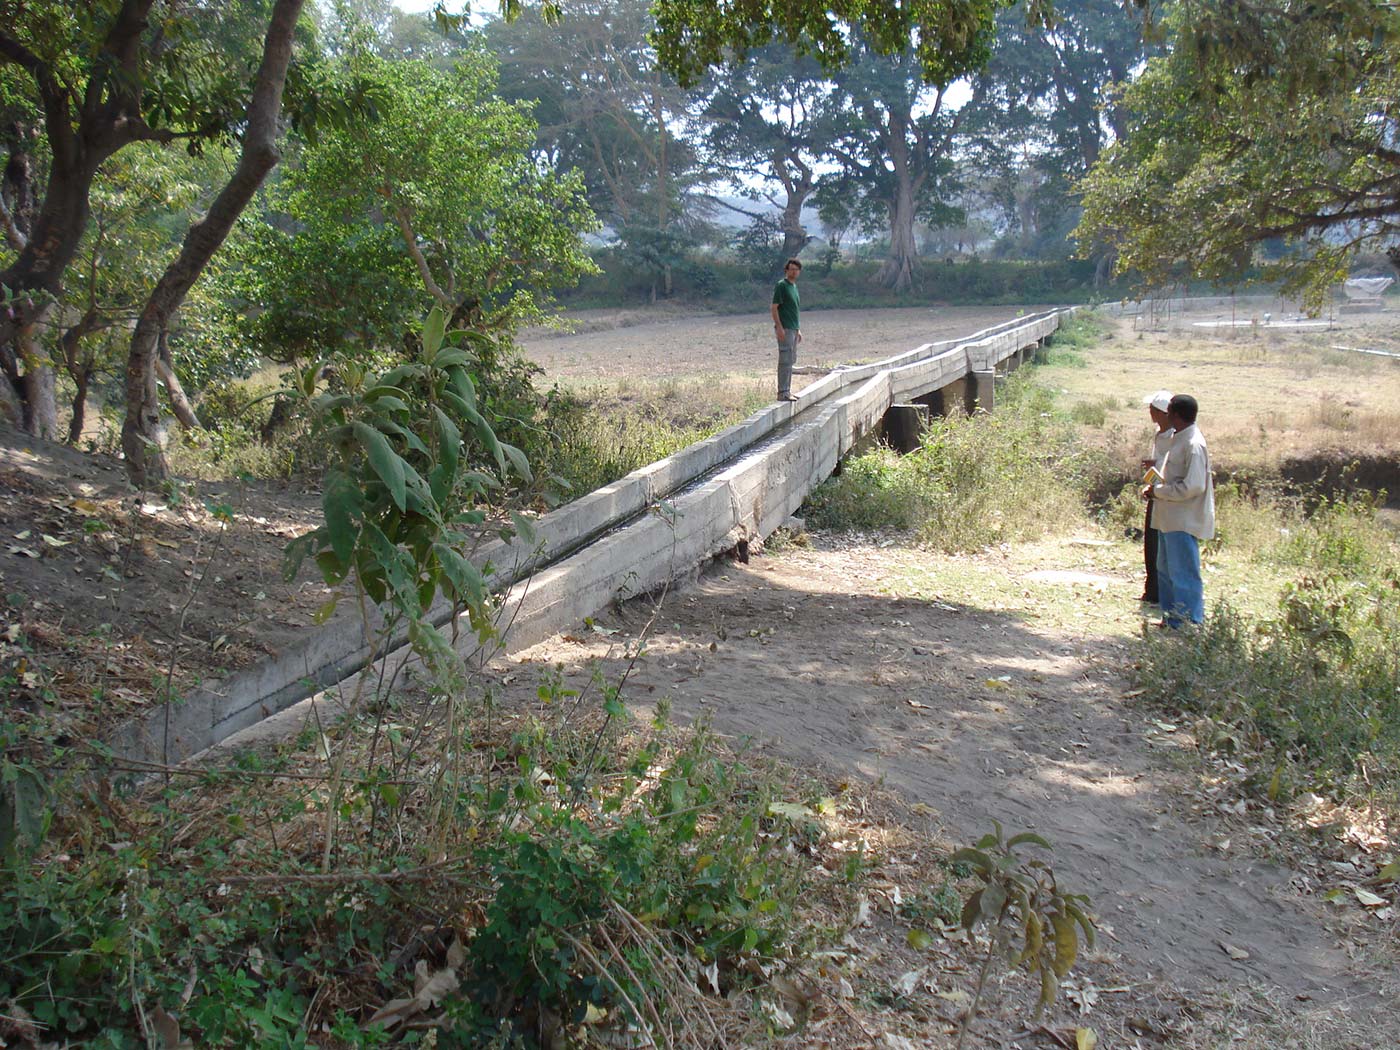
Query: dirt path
[984, 715]
[615, 344]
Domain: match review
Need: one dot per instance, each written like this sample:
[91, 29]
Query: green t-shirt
[785, 295]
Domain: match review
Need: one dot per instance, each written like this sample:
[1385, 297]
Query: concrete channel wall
[629, 537]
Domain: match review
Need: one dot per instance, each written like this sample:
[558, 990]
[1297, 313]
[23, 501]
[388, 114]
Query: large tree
[763, 124]
[84, 81]
[1262, 123]
[893, 138]
[1047, 111]
[435, 202]
[602, 106]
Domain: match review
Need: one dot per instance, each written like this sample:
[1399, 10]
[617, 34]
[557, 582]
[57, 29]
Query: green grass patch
[1310, 687]
[979, 480]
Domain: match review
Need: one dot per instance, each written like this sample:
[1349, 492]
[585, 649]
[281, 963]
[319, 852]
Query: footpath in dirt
[827, 655]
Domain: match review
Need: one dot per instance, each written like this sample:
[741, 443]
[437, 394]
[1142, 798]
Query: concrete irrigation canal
[632, 536]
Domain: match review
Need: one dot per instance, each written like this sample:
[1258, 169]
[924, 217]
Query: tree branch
[16, 240]
[415, 252]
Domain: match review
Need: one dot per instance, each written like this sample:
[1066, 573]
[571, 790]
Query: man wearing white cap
[1184, 510]
[1157, 408]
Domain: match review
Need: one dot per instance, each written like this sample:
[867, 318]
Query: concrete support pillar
[983, 389]
[935, 402]
[903, 427]
[1013, 362]
[956, 398]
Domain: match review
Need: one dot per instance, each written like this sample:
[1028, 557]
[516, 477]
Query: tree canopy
[1273, 124]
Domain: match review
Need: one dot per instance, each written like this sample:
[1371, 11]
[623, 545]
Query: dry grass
[679, 402]
[1266, 395]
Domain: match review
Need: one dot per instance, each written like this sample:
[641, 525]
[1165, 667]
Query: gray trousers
[787, 357]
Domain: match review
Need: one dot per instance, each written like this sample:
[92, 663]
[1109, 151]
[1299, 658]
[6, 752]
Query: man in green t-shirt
[786, 326]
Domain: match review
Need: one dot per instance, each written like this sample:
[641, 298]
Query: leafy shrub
[1019, 898]
[978, 480]
[1089, 413]
[1314, 688]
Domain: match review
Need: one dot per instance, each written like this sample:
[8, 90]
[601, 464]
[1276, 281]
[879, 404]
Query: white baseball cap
[1161, 400]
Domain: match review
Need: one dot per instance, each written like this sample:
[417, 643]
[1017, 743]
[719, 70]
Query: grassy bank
[1305, 685]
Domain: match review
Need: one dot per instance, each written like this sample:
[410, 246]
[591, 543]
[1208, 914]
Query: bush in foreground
[1312, 689]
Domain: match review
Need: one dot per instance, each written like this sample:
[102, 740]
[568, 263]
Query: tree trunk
[141, 430]
[39, 392]
[82, 379]
[165, 369]
[794, 233]
[1103, 268]
[900, 268]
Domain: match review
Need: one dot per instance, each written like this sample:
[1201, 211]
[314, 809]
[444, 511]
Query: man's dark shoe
[786, 397]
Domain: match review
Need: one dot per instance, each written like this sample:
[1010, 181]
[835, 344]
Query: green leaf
[296, 553]
[518, 460]
[452, 357]
[411, 439]
[525, 528]
[1066, 943]
[973, 857]
[325, 612]
[396, 566]
[434, 326]
[392, 403]
[333, 569]
[918, 939]
[1085, 922]
[342, 504]
[1027, 836]
[461, 384]
[384, 460]
[449, 440]
[465, 578]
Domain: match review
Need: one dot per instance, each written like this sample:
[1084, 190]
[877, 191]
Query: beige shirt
[1161, 441]
[1184, 501]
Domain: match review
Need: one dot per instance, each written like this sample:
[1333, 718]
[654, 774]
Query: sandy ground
[828, 656]
[609, 345]
[982, 714]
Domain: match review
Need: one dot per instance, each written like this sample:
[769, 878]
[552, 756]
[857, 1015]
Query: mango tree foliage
[1272, 124]
[439, 188]
[948, 38]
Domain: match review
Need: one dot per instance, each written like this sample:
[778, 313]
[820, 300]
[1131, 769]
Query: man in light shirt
[1183, 510]
[1157, 455]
